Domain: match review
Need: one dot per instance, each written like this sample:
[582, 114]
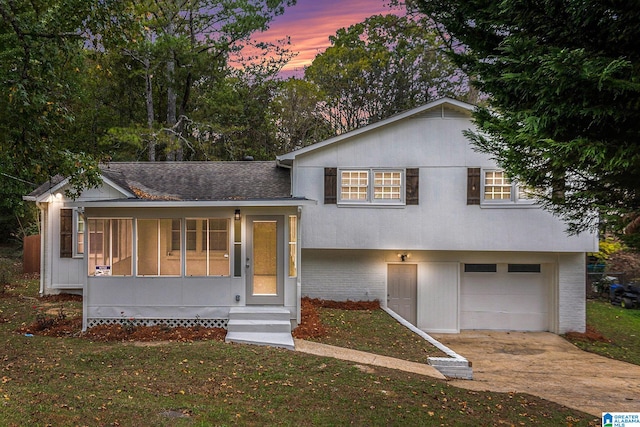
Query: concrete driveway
[546, 365]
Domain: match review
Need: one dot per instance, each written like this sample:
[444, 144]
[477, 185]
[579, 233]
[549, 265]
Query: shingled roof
[209, 181]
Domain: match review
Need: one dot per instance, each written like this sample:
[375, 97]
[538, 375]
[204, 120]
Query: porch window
[159, 251]
[207, 247]
[110, 247]
[293, 246]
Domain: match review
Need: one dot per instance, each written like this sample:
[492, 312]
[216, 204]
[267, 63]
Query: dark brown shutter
[66, 233]
[330, 186]
[412, 187]
[473, 186]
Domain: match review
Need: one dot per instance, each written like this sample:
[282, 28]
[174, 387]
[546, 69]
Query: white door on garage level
[402, 283]
[505, 296]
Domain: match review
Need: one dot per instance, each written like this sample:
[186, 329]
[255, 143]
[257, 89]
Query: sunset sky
[310, 23]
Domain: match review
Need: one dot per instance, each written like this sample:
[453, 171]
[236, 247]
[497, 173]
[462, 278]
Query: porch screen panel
[207, 247]
[159, 251]
[98, 254]
[196, 247]
[148, 247]
[218, 247]
[122, 247]
[169, 250]
[110, 247]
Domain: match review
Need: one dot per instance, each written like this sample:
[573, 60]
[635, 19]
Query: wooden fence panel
[31, 254]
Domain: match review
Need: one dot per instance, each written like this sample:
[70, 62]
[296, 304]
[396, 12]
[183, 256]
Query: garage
[505, 296]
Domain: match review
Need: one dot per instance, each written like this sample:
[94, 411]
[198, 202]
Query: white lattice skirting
[171, 323]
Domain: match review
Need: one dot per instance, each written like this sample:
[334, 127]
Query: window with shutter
[473, 186]
[499, 190]
[330, 186]
[66, 233]
[412, 186]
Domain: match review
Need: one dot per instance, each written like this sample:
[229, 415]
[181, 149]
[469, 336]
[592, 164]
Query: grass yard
[612, 332]
[75, 381]
[376, 332]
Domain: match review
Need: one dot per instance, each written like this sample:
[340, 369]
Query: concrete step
[460, 372]
[259, 312]
[259, 325]
[273, 339]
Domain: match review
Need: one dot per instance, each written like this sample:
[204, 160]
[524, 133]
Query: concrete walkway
[366, 358]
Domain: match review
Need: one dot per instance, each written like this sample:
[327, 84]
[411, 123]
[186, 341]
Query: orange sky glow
[310, 23]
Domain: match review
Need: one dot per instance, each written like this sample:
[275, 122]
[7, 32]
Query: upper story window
[371, 186]
[498, 188]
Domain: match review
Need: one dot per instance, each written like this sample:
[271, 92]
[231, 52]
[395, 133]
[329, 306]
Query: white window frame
[370, 187]
[515, 192]
[76, 240]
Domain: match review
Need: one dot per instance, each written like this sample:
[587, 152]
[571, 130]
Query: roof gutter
[141, 203]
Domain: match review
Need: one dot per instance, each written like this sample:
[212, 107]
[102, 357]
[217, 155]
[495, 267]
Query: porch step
[260, 325]
[272, 339]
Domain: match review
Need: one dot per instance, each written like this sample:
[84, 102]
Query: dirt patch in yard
[590, 335]
[53, 322]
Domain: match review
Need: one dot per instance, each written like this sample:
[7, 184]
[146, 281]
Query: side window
[497, 188]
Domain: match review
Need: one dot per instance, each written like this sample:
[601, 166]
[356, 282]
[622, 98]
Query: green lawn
[376, 332]
[73, 381]
[619, 326]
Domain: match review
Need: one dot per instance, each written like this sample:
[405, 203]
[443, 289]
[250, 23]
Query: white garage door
[492, 297]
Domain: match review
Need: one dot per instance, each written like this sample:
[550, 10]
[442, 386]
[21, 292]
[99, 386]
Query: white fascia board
[288, 157]
[129, 203]
[45, 196]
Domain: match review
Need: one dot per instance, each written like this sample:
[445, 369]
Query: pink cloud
[310, 23]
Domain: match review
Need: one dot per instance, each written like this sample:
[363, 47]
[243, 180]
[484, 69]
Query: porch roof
[212, 182]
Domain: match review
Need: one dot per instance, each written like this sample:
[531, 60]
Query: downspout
[43, 239]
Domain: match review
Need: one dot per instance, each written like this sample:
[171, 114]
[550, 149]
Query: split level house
[403, 211]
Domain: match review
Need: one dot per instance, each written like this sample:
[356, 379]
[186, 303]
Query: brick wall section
[344, 275]
[572, 293]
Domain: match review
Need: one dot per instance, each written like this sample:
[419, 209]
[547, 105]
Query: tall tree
[177, 46]
[382, 66]
[298, 116]
[41, 73]
[563, 79]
